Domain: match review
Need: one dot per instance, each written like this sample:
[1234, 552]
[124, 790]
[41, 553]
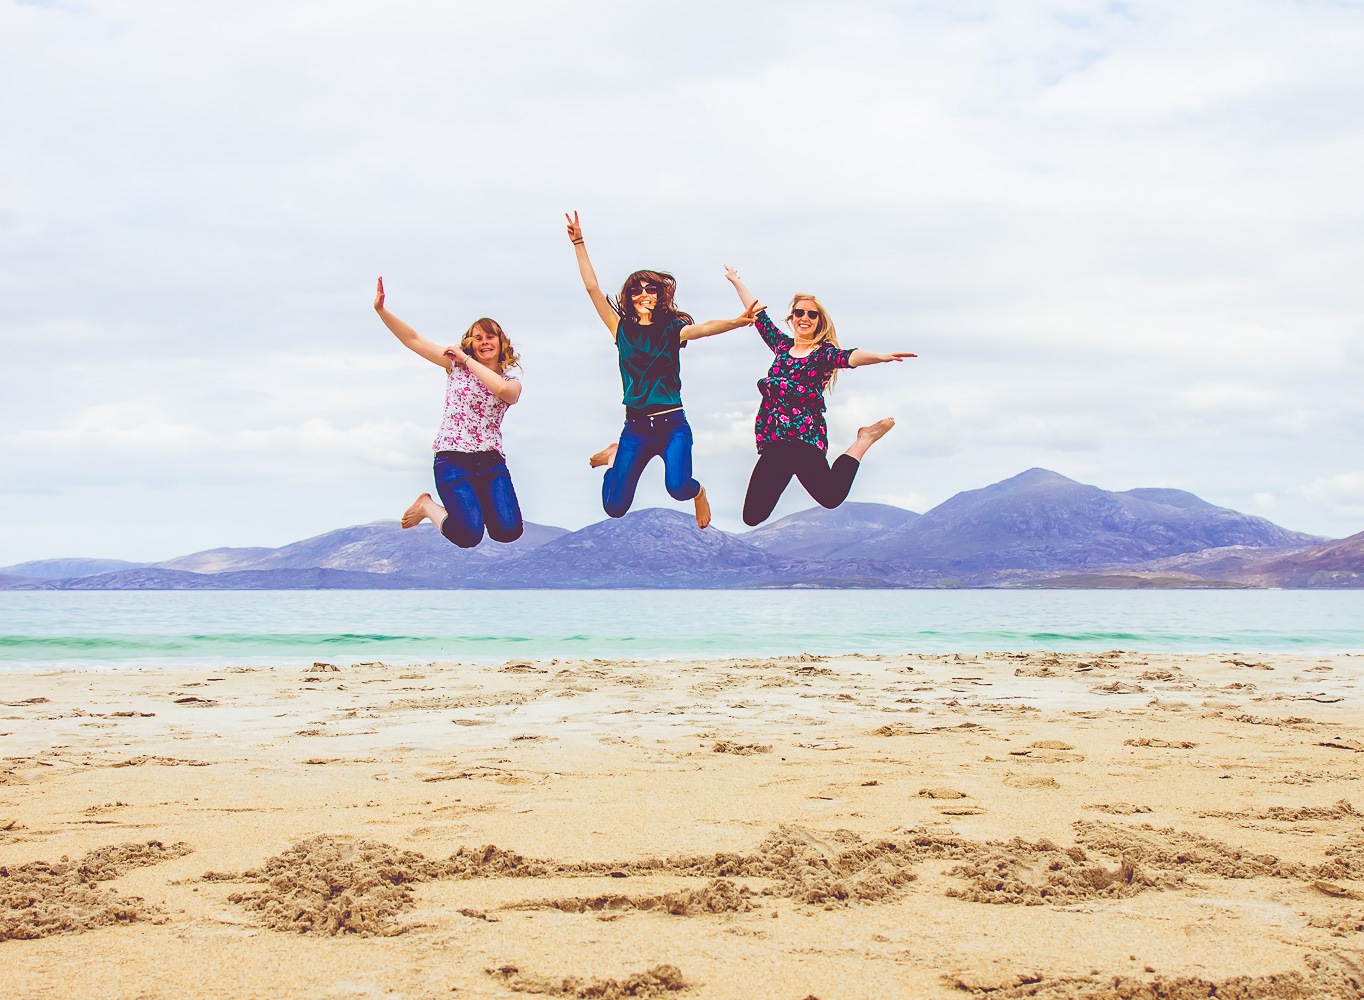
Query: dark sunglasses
[648, 288]
[800, 313]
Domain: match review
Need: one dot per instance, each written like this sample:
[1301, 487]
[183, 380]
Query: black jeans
[780, 461]
[475, 488]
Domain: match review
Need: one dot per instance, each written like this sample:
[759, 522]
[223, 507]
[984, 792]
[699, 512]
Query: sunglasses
[648, 288]
[801, 313]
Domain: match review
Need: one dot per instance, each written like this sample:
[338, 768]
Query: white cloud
[1342, 494]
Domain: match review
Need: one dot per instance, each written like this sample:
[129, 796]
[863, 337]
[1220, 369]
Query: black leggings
[780, 461]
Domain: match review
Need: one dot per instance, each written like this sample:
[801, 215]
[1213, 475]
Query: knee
[461, 535]
[683, 491]
[752, 519]
[615, 509]
[506, 534]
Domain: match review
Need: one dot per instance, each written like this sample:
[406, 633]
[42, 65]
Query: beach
[1101, 824]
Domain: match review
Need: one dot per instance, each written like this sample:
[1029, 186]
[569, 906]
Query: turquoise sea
[215, 629]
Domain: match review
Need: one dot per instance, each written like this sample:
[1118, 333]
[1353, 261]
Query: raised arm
[589, 276]
[745, 296]
[860, 358]
[711, 327]
[409, 337]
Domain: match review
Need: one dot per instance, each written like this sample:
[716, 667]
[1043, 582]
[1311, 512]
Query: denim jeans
[666, 434]
[476, 489]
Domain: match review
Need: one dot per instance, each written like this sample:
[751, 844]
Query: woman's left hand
[896, 356]
[457, 353]
[750, 314]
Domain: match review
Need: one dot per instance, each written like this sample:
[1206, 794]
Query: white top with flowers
[473, 415]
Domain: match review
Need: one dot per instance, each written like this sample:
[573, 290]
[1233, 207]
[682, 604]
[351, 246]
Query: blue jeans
[475, 488]
[643, 437]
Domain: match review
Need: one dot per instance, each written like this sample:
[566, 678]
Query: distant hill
[377, 547]
[1042, 522]
[645, 548]
[1038, 529]
[818, 533]
[65, 569]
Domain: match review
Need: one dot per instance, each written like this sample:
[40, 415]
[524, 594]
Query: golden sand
[1096, 825]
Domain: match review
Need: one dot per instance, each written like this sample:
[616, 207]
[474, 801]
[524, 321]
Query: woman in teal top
[650, 332]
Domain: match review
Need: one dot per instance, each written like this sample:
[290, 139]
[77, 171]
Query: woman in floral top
[791, 433]
[471, 469]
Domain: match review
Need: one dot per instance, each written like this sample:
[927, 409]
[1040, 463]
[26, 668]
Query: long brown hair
[664, 308]
[506, 354]
[824, 329]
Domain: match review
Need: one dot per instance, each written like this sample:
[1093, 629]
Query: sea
[97, 630]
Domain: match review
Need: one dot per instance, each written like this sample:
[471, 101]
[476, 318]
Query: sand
[1007, 825]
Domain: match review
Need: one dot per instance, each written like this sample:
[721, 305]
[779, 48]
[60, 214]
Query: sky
[1123, 238]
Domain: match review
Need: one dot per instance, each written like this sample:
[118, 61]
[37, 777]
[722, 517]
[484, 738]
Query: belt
[636, 415]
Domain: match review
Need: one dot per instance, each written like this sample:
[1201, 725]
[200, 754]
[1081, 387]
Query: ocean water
[216, 629]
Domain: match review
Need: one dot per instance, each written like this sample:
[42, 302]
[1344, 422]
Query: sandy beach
[1103, 825]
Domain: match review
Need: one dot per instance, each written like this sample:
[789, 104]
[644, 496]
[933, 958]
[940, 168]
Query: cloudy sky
[1124, 238]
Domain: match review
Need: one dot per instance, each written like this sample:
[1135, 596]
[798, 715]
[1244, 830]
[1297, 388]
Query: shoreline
[1146, 814]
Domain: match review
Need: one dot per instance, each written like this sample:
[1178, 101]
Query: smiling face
[485, 343]
[807, 326]
[644, 297]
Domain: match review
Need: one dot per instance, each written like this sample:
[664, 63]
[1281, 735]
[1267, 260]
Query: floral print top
[792, 407]
[473, 415]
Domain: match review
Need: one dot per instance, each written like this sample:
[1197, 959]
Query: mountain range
[1036, 529]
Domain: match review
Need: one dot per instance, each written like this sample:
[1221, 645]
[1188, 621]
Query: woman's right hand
[575, 229]
[379, 297]
[732, 275]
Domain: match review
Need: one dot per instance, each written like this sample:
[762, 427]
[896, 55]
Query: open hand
[897, 356]
[575, 229]
[379, 297]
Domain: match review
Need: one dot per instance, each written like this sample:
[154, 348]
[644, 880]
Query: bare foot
[414, 514]
[702, 509]
[868, 436]
[876, 431]
[607, 456]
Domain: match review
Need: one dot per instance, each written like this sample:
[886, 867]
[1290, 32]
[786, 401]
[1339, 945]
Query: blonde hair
[824, 330]
[506, 354]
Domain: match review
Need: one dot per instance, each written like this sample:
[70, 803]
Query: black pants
[780, 461]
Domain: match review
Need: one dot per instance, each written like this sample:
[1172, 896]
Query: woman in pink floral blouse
[791, 434]
[471, 468]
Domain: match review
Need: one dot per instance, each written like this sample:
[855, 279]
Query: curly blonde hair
[506, 354]
[824, 328]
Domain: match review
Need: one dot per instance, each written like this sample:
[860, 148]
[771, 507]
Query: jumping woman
[649, 332]
[471, 470]
[790, 428]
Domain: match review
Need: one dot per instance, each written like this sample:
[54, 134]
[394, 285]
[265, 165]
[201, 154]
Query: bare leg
[424, 508]
[868, 436]
[606, 457]
[702, 509]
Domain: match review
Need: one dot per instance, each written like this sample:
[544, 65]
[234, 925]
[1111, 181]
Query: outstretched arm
[409, 337]
[860, 358]
[589, 276]
[711, 327]
[745, 296]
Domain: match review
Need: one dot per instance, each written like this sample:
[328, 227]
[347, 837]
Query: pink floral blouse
[473, 415]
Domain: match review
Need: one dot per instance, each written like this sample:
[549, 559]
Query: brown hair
[824, 328]
[506, 354]
[664, 308]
